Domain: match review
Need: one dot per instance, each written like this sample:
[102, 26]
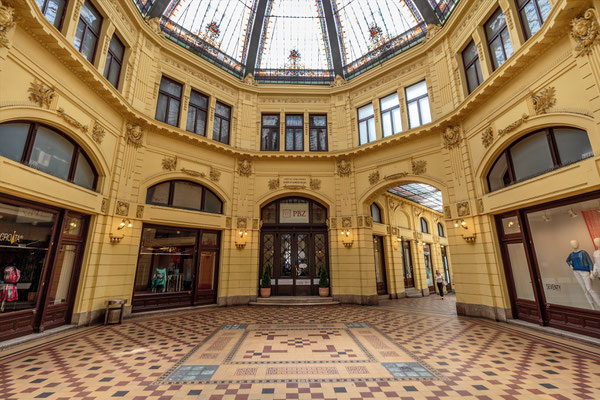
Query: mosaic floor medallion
[271, 353]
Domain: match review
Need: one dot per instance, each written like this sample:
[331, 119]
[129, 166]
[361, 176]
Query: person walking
[439, 279]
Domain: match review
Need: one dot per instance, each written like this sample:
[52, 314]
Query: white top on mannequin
[597, 254]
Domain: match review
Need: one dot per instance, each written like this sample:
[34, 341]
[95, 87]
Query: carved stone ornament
[227, 222]
[338, 81]
[249, 80]
[61, 112]
[122, 208]
[97, 133]
[544, 100]
[346, 222]
[344, 168]
[514, 125]
[139, 212]
[447, 212]
[333, 223]
[244, 167]
[135, 135]
[451, 137]
[255, 223]
[315, 183]
[399, 175]
[487, 137]
[374, 177]
[169, 163]
[274, 184]
[418, 167]
[392, 204]
[242, 223]
[463, 209]
[432, 30]
[192, 172]
[41, 94]
[586, 32]
[154, 24]
[104, 206]
[368, 221]
[214, 174]
[359, 220]
[7, 21]
[480, 208]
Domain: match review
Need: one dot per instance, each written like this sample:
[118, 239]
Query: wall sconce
[462, 224]
[467, 238]
[116, 238]
[240, 238]
[347, 239]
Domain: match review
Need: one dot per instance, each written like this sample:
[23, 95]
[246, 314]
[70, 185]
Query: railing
[443, 8]
[295, 76]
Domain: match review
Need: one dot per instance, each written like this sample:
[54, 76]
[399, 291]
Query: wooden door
[207, 269]
[409, 281]
[380, 276]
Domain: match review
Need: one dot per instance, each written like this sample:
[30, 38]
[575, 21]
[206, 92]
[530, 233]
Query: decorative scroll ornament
[41, 94]
[192, 172]
[346, 222]
[487, 137]
[399, 175]
[242, 223]
[315, 183]
[135, 135]
[374, 177]
[338, 81]
[7, 21]
[432, 30]
[544, 100]
[169, 163]
[139, 212]
[249, 80]
[344, 168]
[97, 133]
[122, 208]
[586, 32]
[214, 174]
[419, 167]
[451, 137]
[244, 167]
[71, 120]
[514, 125]
[154, 24]
[274, 184]
[463, 209]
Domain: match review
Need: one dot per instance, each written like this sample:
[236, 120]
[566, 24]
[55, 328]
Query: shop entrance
[294, 245]
[409, 281]
[380, 277]
[428, 266]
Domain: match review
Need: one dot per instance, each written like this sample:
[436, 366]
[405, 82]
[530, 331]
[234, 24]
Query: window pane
[200, 122]
[390, 101]
[54, 11]
[79, 35]
[497, 52]
[531, 21]
[88, 46]
[223, 110]
[198, 100]
[520, 271]
[51, 153]
[507, 43]
[416, 90]
[12, 140]
[187, 195]
[173, 117]
[313, 143]
[365, 112]
[495, 24]
[425, 111]
[225, 131]
[270, 120]
[212, 204]
[386, 121]
[161, 107]
[115, 71]
[499, 176]
[472, 79]
[117, 48]
[91, 16]
[413, 114]
[396, 120]
[191, 119]
[208, 263]
[363, 132]
[84, 173]
[217, 129]
[159, 194]
[469, 53]
[61, 276]
[171, 87]
[269, 214]
[375, 214]
[545, 8]
[573, 145]
[318, 120]
[319, 214]
[293, 120]
[289, 139]
[531, 156]
[372, 132]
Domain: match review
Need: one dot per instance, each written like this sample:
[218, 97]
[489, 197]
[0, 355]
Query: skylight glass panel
[294, 37]
[420, 193]
[365, 25]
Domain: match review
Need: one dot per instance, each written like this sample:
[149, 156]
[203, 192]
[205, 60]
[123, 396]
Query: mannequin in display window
[596, 270]
[581, 263]
[9, 291]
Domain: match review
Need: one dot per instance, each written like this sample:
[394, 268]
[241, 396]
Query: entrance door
[379, 265]
[409, 281]
[446, 268]
[295, 273]
[428, 266]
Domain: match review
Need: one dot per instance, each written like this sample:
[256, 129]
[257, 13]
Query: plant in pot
[265, 284]
[323, 282]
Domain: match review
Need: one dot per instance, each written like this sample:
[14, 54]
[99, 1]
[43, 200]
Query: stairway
[294, 301]
[412, 292]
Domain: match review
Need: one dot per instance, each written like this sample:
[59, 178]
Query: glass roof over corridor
[420, 193]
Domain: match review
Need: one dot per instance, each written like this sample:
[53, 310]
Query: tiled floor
[403, 349]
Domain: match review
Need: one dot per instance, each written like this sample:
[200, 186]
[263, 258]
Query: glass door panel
[302, 278]
[206, 275]
[284, 273]
[61, 277]
[379, 265]
[407, 263]
[520, 271]
[427, 255]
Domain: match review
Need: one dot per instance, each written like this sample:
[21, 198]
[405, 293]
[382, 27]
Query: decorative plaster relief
[61, 112]
[249, 80]
[274, 184]
[242, 223]
[41, 94]
[544, 100]
[338, 81]
[451, 137]
[333, 223]
[122, 208]
[104, 206]
[344, 168]
[585, 32]
[374, 177]
[463, 209]
[192, 172]
[7, 21]
[399, 175]
[244, 167]
[346, 222]
[139, 212]
[214, 174]
[97, 133]
[227, 222]
[514, 125]
[315, 183]
[487, 137]
[418, 167]
[169, 163]
[135, 135]
[447, 212]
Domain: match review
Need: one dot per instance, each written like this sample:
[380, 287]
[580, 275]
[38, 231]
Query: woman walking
[439, 279]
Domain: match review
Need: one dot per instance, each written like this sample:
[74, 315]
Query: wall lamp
[347, 239]
[241, 238]
[116, 238]
[125, 223]
[467, 238]
[460, 223]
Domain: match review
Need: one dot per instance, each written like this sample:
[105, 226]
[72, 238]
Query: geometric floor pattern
[402, 349]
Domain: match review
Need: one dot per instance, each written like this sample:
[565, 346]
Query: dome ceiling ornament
[586, 32]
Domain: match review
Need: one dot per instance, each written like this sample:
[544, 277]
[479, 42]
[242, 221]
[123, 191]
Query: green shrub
[323, 277]
[266, 277]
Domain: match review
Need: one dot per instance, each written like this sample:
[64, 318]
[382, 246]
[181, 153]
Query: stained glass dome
[296, 41]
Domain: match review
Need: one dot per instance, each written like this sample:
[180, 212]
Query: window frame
[272, 129]
[310, 129]
[295, 131]
[496, 35]
[365, 120]
[418, 101]
[424, 225]
[389, 110]
[44, 8]
[169, 97]
[222, 118]
[475, 62]
[441, 232]
[205, 110]
[379, 211]
[88, 28]
[537, 11]
[113, 57]
[169, 204]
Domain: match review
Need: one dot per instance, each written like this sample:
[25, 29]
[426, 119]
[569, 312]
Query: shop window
[440, 229]
[294, 137]
[424, 225]
[88, 31]
[269, 136]
[197, 111]
[533, 13]
[317, 132]
[498, 39]
[376, 213]
[114, 61]
[47, 150]
[391, 122]
[538, 153]
[294, 210]
[366, 124]
[186, 195]
[417, 103]
[222, 123]
[472, 66]
[169, 101]
[53, 10]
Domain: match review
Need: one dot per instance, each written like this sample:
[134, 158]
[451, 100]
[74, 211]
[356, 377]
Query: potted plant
[323, 282]
[265, 284]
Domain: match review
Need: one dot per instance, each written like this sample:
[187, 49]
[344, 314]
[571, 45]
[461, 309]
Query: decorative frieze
[315, 184]
[169, 163]
[122, 208]
[451, 137]
[374, 177]
[244, 167]
[463, 209]
[274, 184]
[134, 135]
[61, 112]
[41, 94]
[487, 137]
[514, 125]
[343, 168]
[585, 32]
[418, 167]
[214, 174]
[7, 21]
[544, 100]
[97, 133]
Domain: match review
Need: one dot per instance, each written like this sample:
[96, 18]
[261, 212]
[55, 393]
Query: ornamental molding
[463, 209]
[242, 223]
[447, 212]
[514, 125]
[135, 135]
[338, 81]
[192, 172]
[154, 24]
[346, 222]
[451, 137]
[418, 167]
[104, 206]
[487, 137]
[97, 133]
[399, 175]
[139, 212]
[249, 80]
[61, 112]
[315, 183]
[122, 208]
[214, 174]
[586, 32]
[344, 168]
[41, 94]
[274, 184]
[544, 100]
[7, 22]
[432, 30]
[169, 163]
[374, 177]
[244, 167]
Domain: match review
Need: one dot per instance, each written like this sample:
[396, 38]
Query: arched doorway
[294, 244]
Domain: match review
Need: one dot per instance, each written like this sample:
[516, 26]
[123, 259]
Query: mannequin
[596, 270]
[9, 290]
[581, 263]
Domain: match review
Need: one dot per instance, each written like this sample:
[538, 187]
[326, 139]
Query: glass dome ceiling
[296, 41]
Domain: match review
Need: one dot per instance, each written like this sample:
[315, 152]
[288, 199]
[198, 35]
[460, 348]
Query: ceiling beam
[334, 44]
[261, 8]
[427, 12]
[158, 8]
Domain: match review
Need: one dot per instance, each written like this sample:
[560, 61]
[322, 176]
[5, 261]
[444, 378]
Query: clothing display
[596, 269]
[9, 290]
[580, 261]
[159, 279]
[585, 281]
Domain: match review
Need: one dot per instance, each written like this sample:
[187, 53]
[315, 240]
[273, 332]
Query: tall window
[440, 229]
[169, 101]
[317, 132]
[88, 31]
[424, 225]
[538, 153]
[390, 115]
[114, 61]
[294, 138]
[269, 136]
[472, 66]
[222, 123]
[47, 150]
[417, 103]
[184, 194]
[53, 10]
[376, 213]
[498, 38]
[366, 124]
[533, 13]
[197, 111]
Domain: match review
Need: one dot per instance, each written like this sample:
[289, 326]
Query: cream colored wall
[37, 51]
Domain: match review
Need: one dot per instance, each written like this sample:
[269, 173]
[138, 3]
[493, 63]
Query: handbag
[444, 283]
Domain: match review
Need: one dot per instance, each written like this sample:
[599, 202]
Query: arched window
[294, 210]
[184, 194]
[440, 229]
[537, 153]
[47, 150]
[424, 225]
[376, 213]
